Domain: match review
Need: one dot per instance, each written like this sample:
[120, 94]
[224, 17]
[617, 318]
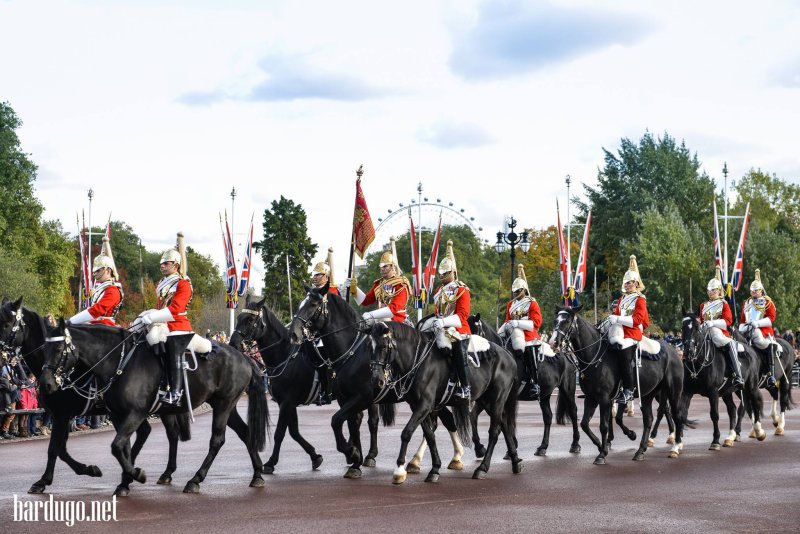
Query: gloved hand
[514, 323]
[347, 282]
[146, 319]
[613, 319]
[137, 325]
[438, 324]
[368, 318]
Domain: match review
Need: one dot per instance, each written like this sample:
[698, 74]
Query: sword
[186, 387]
[638, 359]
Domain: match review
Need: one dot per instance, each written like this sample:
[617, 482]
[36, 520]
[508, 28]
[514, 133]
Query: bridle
[16, 334]
[692, 349]
[565, 343]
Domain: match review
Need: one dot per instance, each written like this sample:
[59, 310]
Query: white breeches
[756, 336]
[720, 340]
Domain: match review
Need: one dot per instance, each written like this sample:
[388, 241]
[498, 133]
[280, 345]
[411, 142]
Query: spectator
[12, 378]
[28, 401]
[788, 336]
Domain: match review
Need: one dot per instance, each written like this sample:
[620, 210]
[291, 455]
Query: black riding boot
[530, 364]
[736, 367]
[627, 375]
[176, 345]
[771, 376]
[324, 392]
[462, 368]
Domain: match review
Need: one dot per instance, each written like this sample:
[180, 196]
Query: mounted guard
[758, 315]
[322, 275]
[627, 324]
[715, 319]
[105, 299]
[451, 305]
[390, 291]
[523, 319]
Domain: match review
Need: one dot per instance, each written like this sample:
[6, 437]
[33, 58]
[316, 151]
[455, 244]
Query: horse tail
[563, 402]
[387, 412]
[184, 426]
[463, 420]
[257, 411]
[510, 411]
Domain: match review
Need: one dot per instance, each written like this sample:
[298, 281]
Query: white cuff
[625, 321]
[451, 320]
[359, 296]
[82, 317]
[525, 325]
[379, 314]
[766, 321]
[161, 316]
[718, 323]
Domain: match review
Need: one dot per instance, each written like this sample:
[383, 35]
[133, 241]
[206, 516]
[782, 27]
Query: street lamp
[512, 239]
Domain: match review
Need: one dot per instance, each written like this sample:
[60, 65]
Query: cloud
[288, 79]
[454, 135]
[515, 37]
[787, 74]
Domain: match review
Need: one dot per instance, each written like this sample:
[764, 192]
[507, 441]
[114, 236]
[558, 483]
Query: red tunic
[460, 307]
[640, 319]
[534, 314]
[769, 312]
[104, 309]
[334, 290]
[397, 303]
[177, 300]
[726, 316]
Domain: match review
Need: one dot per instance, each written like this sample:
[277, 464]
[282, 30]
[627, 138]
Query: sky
[163, 107]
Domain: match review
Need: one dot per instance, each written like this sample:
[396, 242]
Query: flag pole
[351, 262]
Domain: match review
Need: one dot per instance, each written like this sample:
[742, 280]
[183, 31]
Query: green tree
[774, 203]
[285, 234]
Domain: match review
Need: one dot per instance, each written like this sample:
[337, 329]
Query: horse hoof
[670, 440]
[480, 451]
[353, 473]
[139, 475]
[398, 479]
[37, 488]
[316, 462]
[507, 457]
[775, 422]
[257, 482]
[122, 491]
[517, 467]
[779, 431]
[650, 442]
[752, 434]
[479, 474]
[412, 469]
[268, 469]
[715, 447]
[762, 436]
[575, 449]
[632, 436]
[599, 461]
[738, 437]
[93, 471]
[369, 462]
[432, 477]
[455, 465]
[672, 454]
[191, 487]
[540, 452]
[727, 443]
[638, 457]
[164, 480]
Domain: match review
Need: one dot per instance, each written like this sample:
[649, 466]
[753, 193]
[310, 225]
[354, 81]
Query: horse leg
[237, 424]
[417, 415]
[372, 422]
[345, 412]
[547, 418]
[713, 400]
[294, 431]
[494, 432]
[121, 449]
[647, 422]
[58, 439]
[575, 447]
[670, 424]
[630, 434]
[142, 433]
[605, 423]
[735, 416]
[677, 417]
[785, 396]
[589, 406]
[354, 427]
[414, 465]
[659, 415]
[284, 416]
[477, 446]
[428, 427]
[449, 422]
[171, 428]
[219, 421]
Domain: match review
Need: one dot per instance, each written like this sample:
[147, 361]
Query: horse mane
[275, 324]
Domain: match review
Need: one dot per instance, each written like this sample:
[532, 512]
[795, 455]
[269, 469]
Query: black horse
[782, 394]
[130, 373]
[707, 373]
[599, 376]
[23, 328]
[553, 372]
[414, 370]
[292, 378]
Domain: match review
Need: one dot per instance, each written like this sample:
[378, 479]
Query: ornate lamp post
[511, 240]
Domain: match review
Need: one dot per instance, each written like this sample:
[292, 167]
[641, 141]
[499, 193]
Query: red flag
[363, 230]
[562, 256]
[415, 265]
[738, 265]
[230, 266]
[429, 275]
[244, 278]
[580, 269]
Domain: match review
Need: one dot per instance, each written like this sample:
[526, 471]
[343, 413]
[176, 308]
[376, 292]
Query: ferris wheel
[425, 212]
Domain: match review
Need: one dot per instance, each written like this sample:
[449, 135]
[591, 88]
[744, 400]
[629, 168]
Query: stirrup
[771, 382]
[534, 390]
[625, 396]
[463, 392]
[172, 397]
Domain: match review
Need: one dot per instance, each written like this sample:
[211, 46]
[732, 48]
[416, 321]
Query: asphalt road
[754, 486]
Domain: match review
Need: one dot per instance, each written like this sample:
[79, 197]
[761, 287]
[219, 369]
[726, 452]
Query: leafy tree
[285, 233]
[774, 203]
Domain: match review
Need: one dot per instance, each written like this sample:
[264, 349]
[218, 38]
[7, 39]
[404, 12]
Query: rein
[705, 347]
[565, 346]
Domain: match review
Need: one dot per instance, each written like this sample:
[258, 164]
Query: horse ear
[6, 300]
[307, 288]
[578, 308]
[477, 316]
[261, 302]
[62, 324]
[18, 303]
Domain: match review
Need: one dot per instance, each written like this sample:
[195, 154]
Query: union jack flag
[244, 278]
[738, 265]
[580, 269]
[230, 272]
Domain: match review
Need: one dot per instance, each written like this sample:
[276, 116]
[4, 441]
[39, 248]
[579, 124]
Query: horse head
[250, 325]
[384, 352]
[690, 333]
[476, 325]
[565, 326]
[12, 324]
[311, 317]
[60, 358]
